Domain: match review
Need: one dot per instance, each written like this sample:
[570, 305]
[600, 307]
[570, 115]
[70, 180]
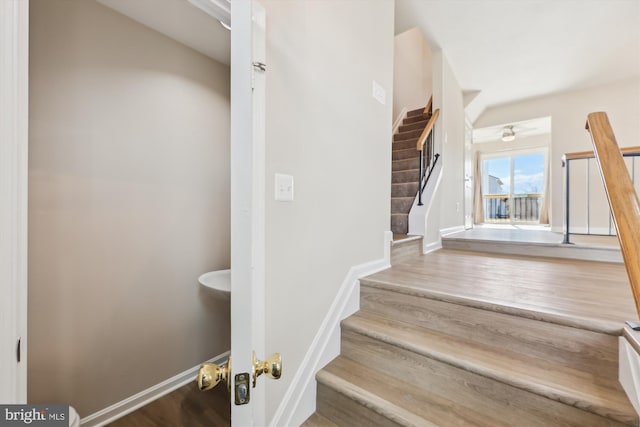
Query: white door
[14, 36]
[247, 208]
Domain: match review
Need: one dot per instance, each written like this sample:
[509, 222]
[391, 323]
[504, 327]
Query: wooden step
[588, 295]
[408, 153]
[317, 420]
[416, 112]
[413, 126]
[409, 175]
[416, 118]
[404, 145]
[588, 351]
[352, 394]
[480, 380]
[412, 134]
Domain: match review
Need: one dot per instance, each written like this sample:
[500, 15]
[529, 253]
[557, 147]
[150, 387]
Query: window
[513, 187]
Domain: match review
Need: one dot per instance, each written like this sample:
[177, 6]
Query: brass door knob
[272, 367]
[211, 374]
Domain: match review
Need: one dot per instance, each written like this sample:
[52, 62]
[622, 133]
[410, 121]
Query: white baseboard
[299, 401]
[430, 247]
[629, 369]
[398, 121]
[130, 404]
[451, 230]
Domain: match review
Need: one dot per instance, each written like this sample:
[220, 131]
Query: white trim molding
[138, 400]
[299, 401]
[14, 125]
[629, 366]
[398, 121]
[451, 230]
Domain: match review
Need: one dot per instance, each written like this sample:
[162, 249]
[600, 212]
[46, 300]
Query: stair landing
[534, 241]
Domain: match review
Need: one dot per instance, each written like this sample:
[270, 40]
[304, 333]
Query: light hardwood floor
[184, 407]
[596, 292]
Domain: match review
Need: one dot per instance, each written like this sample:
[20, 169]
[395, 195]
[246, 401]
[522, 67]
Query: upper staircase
[406, 172]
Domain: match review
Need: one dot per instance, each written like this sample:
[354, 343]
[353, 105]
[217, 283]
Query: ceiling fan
[508, 134]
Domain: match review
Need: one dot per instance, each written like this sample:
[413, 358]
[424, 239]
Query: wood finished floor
[184, 407]
[577, 289]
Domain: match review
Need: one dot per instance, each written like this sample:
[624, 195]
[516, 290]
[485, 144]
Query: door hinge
[18, 350]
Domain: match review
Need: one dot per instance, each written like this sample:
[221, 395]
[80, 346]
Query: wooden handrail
[591, 155]
[427, 109]
[622, 196]
[427, 130]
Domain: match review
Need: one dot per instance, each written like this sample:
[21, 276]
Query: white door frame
[247, 207]
[14, 126]
[468, 174]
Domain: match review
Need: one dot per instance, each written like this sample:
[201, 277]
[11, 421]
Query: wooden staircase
[405, 168]
[459, 338]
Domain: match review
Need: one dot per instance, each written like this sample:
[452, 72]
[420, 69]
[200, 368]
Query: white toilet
[74, 418]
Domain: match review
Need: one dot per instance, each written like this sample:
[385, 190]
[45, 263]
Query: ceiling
[181, 21]
[511, 50]
[500, 50]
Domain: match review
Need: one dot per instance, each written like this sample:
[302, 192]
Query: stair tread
[602, 396]
[406, 150]
[317, 420]
[390, 397]
[490, 285]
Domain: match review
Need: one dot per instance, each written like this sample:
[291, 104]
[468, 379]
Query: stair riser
[347, 412]
[400, 224]
[403, 165]
[413, 126]
[589, 351]
[513, 404]
[405, 145]
[409, 153]
[413, 134]
[409, 189]
[416, 112]
[401, 205]
[410, 175]
[405, 250]
[414, 119]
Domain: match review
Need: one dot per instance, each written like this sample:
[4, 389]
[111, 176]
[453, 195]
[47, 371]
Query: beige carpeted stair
[405, 168]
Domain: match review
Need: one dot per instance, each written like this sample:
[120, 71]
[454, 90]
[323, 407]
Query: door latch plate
[241, 388]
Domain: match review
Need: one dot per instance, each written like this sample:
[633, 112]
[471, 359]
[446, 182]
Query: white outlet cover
[283, 187]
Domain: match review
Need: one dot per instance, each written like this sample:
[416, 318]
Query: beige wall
[128, 205]
[412, 71]
[568, 113]
[324, 128]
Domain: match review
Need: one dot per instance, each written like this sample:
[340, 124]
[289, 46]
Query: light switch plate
[284, 187]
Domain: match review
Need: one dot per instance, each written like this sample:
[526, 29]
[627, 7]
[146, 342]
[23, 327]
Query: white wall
[568, 113]
[447, 210]
[412, 71]
[324, 128]
[128, 205]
